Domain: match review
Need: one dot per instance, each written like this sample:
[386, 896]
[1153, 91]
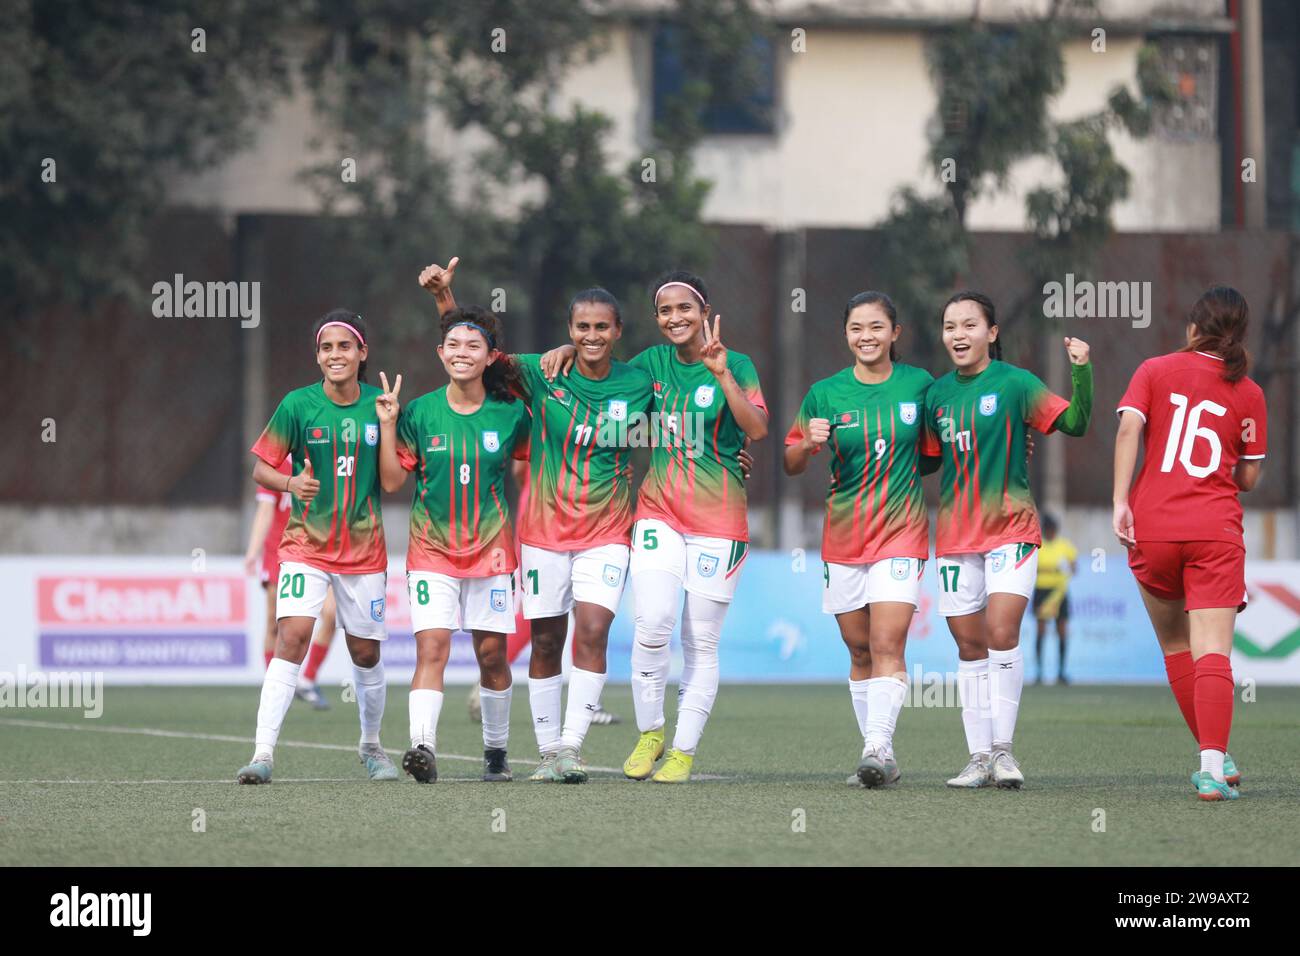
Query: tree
[493, 68]
[994, 88]
[98, 102]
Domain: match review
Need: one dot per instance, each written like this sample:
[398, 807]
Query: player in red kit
[1205, 429]
[262, 557]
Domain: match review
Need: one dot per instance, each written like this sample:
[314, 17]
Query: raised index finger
[383, 381]
[397, 385]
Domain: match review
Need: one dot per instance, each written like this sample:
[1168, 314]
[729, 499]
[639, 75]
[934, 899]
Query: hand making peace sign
[714, 353]
[386, 405]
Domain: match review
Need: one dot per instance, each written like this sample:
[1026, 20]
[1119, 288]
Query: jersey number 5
[1180, 442]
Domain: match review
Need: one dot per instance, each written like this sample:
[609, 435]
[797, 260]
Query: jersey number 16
[1180, 442]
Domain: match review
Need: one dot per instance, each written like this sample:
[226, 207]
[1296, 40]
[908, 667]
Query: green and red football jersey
[580, 472]
[460, 519]
[341, 529]
[975, 424]
[694, 484]
[875, 507]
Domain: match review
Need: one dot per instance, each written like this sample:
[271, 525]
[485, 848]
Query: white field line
[226, 738]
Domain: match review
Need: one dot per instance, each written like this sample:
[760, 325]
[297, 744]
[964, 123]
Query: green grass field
[88, 792]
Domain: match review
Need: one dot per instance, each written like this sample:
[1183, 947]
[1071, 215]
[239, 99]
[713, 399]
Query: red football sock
[1214, 693]
[1182, 679]
[315, 657]
[269, 656]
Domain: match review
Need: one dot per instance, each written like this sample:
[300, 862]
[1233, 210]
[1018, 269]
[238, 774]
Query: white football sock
[496, 717]
[278, 685]
[1006, 681]
[701, 633]
[544, 701]
[1212, 763]
[424, 706]
[657, 596]
[886, 695]
[858, 692]
[372, 690]
[972, 688]
[584, 700]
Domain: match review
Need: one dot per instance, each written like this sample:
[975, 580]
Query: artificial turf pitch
[773, 763]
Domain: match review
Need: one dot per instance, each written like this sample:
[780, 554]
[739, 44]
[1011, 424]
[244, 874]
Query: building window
[1191, 67]
[751, 110]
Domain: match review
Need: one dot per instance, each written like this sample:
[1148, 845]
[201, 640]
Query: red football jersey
[279, 520]
[1197, 426]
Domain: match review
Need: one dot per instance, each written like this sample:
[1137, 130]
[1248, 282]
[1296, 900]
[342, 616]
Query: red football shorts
[1205, 573]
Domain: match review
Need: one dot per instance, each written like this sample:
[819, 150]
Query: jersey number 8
[464, 474]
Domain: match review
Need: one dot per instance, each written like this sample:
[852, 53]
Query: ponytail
[1219, 322]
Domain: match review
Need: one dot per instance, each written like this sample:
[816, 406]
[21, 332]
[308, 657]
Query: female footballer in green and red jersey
[987, 534]
[576, 519]
[875, 537]
[334, 537]
[459, 440]
[692, 529]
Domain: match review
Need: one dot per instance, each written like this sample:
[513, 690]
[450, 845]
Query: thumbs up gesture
[304, 484]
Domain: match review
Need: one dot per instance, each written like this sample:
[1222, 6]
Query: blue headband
[491, 339]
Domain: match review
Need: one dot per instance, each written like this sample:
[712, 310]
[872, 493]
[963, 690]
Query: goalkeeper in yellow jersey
[1057, 563]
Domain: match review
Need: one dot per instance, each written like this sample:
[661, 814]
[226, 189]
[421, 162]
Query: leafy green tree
[494, 68]
[99, 102]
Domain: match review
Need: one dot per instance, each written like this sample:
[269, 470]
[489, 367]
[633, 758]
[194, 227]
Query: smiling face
[679, 314]
[967, 335]
[465, 354]
[870, 333]
[339, 355]
[593, 331]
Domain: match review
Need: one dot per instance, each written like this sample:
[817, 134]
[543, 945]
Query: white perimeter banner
[170, 621]
[164, 621]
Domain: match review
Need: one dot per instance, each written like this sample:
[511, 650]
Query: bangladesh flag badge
[436, 443]
[318, 435]
[562, 396]
[847, 419]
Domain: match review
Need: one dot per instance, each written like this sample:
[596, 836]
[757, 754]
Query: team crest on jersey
[618, 409]
[377, 610]
[999, 561]
[612, 575]
[372, 434]
[907, 412]
[707, 565]
[318, 435]
[435, 443]
[491, 441]
[847, 419]
[562, 395]
[898, 568]
[988, 404]
[498, 598]
[704, 396]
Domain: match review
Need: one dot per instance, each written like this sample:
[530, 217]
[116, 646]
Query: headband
[684, 285]
[491, 339]
[351, 328]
